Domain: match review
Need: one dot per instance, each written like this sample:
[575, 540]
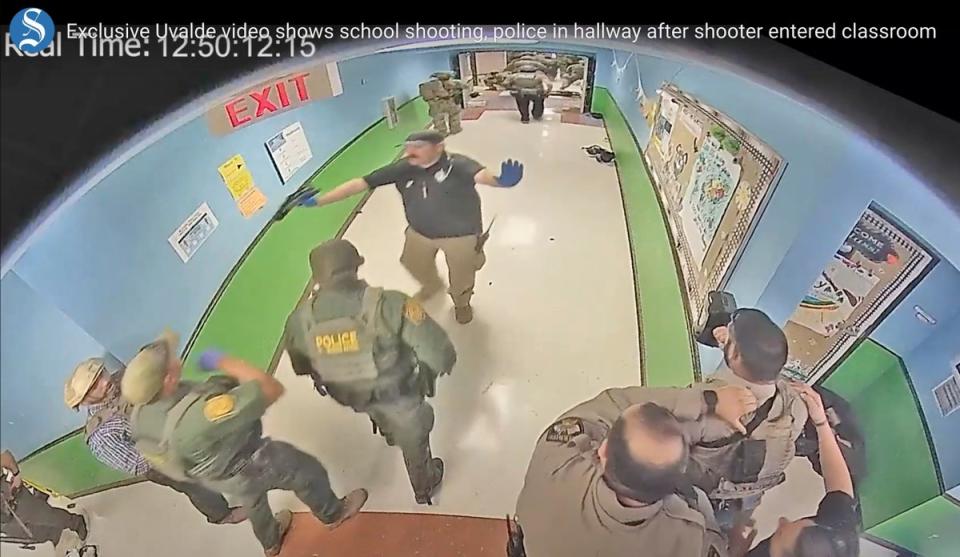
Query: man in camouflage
[376, 351]
[211, 433]
[444, 96]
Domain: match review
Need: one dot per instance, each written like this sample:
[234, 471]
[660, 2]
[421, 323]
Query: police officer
[444, 96]
[376, 351]
[736, 467]
[443, 211]
[529, 85]
[608, 477]
[26, 516]
[571, 74]
[211, 433]
[107, 434]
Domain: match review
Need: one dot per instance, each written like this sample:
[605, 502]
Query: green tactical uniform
[377, 352]
[443, 95]
[211, 433]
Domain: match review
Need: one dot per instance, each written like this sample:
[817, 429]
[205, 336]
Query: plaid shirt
[113, 444]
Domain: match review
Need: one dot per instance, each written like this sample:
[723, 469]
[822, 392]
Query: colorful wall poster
[878, 263]
[713, 178]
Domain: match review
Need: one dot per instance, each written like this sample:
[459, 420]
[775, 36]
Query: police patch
[413, 311]
[219, 407]
[565, 430]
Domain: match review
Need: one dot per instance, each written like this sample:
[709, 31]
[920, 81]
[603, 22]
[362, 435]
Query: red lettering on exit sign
[274, 96]
[258, 103]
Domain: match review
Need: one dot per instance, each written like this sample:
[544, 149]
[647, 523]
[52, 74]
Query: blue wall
[31, 385]
[929, 365]
[103, 277]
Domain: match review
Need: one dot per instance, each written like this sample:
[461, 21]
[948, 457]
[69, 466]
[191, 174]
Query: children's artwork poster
[878, 263]
[713, 178]
[189, 236]
[289, 150]
[239, 181]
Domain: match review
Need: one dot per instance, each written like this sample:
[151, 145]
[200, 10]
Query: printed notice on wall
[194, 231]
[239, 181]
[289, 150]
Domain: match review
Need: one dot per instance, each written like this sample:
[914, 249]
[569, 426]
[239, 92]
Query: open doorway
[570, 75]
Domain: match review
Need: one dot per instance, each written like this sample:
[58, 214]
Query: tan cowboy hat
[144, 375]
[83, 378]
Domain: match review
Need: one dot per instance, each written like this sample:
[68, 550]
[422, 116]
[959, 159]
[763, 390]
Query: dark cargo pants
[406, 422]
[279, 465]
[210, 503]
[46, 523]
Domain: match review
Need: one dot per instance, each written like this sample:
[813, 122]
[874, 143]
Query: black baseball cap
[429, 136]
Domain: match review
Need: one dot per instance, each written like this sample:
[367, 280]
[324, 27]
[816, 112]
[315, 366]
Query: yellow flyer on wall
[236, 176]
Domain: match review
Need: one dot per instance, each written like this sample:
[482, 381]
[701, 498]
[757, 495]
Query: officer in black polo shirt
[443, 211]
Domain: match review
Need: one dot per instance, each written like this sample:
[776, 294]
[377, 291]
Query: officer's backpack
[849, 435]
[161, 450]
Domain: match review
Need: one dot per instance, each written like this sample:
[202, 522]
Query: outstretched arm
[343, 191]
[836, 474]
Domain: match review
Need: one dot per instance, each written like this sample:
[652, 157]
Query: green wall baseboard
[901, 471]
[247, 319]
[666, 351]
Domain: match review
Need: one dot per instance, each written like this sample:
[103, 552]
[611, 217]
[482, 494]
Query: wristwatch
[710, 398]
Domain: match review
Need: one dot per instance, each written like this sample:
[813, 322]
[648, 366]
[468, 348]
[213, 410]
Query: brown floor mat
[397, 535]
[580, 119]
[471, 113]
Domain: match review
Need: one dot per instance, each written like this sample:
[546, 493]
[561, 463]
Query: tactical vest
[110, 410]
[527, 83]
[343, 346]
[736, 467]
[433, 91]
[154, 436]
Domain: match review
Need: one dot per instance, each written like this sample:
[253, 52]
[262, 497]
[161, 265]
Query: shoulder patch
[219, 407]
[565, 430]
[413, 311]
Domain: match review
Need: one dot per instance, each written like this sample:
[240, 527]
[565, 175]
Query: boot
[464, 314]
[235, 516]
[352, 504]
[284, 518]
[427, 498]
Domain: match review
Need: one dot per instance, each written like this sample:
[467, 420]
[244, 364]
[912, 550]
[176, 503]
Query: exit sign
[274, 96]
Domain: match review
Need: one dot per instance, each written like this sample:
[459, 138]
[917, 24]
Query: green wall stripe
[901, 470]
[667, 353]
[248, 318]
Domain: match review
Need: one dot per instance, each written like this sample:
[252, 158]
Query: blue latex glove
[511, 172]
[308, 200]
[210, 359]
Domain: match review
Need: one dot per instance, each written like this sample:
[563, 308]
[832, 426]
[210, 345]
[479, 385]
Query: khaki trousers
[464, 258]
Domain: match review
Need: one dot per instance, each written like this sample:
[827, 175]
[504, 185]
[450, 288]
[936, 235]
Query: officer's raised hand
[511, 172]
[733, 403]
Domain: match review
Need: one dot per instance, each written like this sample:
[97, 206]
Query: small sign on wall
[239, 181]
[390, 112]
[289, 150]
[194, 231]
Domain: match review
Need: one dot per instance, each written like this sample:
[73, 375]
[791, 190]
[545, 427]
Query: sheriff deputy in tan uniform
[376, 351]
[608, 478]
[211, 433]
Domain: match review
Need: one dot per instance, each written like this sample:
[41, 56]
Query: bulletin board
[713, 178]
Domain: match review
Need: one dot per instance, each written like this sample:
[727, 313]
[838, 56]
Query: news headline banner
[219, 41]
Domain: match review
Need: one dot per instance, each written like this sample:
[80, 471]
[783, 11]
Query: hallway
[555, 324]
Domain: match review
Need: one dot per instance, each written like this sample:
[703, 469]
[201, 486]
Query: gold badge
[219, 407]
[565, 430]
[413, 311]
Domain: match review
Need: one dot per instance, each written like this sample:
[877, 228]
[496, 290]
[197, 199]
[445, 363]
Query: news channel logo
[31, 30]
